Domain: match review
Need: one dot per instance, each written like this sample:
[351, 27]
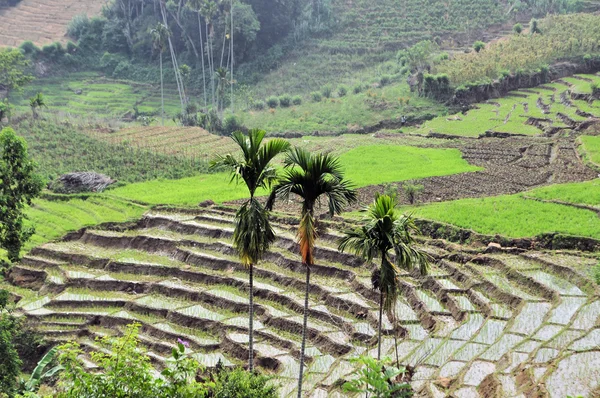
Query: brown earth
[42, 21]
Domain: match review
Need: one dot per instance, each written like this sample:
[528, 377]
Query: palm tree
[196, 5]
[253, 233]
[36, 103]
[311, 177]
[222, 81]
[160, 33]
[386, 230]
[209, 10]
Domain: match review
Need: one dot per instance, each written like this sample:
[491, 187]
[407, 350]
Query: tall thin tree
[253, 233]
[311, 178]
[196, 5]
[386, 230]
[159, 41]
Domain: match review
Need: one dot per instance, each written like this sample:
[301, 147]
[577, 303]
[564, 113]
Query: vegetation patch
[378, 164]
[591, 146]
[585, 193]
[512, 216]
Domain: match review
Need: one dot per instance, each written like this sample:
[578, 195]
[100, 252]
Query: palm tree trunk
[202, 55]
[251, 326]
[162, 92]
[304, 327]
[231, 46]
[380, 321]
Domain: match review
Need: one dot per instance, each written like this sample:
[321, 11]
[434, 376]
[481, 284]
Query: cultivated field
[42, 21]
[501, 322]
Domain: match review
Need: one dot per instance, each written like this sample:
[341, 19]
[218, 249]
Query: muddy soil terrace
[485, 322]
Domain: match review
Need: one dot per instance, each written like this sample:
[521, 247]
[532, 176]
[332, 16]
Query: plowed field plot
[495, 324]
[42, 21]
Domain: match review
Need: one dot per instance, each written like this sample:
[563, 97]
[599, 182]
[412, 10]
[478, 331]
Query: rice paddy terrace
[485, 321]
[42, 21]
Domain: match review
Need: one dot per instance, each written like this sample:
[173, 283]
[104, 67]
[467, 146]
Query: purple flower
[184, 343]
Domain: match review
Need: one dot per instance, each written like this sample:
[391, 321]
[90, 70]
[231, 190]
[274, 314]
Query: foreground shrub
[316, 96]
[285, 101]
[478, 46]
[126, 371]
[273, 102]
[342, 90]
[377, 379]
[357, 89]
[297, 100]
[259, 105]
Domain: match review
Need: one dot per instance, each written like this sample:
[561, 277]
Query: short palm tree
[385, 230]
[160, 33]
[253, 233]
[311, 177]
[37, 102]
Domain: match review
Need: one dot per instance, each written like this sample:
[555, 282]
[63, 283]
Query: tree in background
[311, 177]
[20, 185]
[159, 42]
[36, 103]
[13, 71]
[196, 5]
[253, 233]
[386, 230]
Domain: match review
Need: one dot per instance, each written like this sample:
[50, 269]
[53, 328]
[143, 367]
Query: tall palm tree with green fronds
[253, 233]
[160, 33]
[386, 230]
[311, 178]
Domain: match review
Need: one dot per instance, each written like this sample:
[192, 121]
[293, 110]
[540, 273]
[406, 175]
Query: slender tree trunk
[304, 327]
[162, 92]
[251, 326]
[380, 321]
[231, 46]
[202, 55]
[223, 50]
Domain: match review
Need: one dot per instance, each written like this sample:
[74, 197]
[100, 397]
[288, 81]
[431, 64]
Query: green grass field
[511, 216]
[385, 164]
[344, 113]
[591, 147]
[378, 164]
[54, 218]
[99, 96]
[586, 193]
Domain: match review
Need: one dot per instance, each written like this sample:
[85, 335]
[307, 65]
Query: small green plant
[285, 101]
[316, 96]
[38, 375]
[478, 46]
[327, 91]
[238, 383]
[297, 100]
[273, 102]
[357, 89]
[518, 28]
[378, 379]
[342, 90]
[385, 80]
[412, 190]
[596, 273]
[595, 88]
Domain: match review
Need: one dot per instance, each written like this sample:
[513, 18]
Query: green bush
[238, 383]
[478, 46]
[285, 100]
[518, 28]
[327, 91]
[342, 90]
[357, 89]
[316, 96]
[259, 105]
[297, 100]
[273, 102]
[28, 48]
[230, 124]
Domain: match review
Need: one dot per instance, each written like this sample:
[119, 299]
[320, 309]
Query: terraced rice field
[88, 93]
[42, 21]
[505, 321]
[549, 110]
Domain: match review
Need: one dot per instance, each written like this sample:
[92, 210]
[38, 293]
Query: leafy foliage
[9, 358]
[20, 185]
[238, 383]
[378, 379]
[13, 70]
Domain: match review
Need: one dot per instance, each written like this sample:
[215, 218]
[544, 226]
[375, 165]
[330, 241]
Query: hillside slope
[42, 21]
